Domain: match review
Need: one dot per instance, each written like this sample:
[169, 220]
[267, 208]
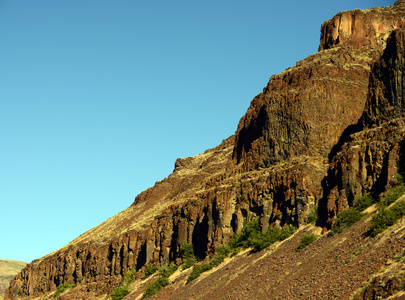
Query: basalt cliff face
[320, 134]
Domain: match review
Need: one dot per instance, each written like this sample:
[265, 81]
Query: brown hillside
[319, 136]
[8, 269]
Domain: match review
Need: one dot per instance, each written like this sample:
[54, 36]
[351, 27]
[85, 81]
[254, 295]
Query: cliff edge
[319, 135]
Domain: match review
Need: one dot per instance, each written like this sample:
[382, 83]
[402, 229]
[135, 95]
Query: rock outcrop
[362, 29]
[370, 159]
[386, 100]
[320, 134]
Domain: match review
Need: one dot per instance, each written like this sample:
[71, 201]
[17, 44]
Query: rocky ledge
[320, 134]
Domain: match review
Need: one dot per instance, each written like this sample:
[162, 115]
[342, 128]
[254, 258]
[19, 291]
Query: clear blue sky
[99, 98]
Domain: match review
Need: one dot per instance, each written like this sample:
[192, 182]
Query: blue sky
[99, 98]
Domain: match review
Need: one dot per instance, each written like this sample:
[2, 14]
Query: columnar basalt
[292, 152]
[386, 99]
[371, 158]
[304, 110]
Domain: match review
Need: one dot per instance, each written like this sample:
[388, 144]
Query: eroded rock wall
[362, 29]
[292, 151]
[386, 99]
[371, 158]
[304, 110]
[367, 163]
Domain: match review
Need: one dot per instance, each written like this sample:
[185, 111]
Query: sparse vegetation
[387, 217]
[313, 215]
[151, 269]
[120, 292]
[363, 202]
[250, 237]
[167, 271]
[220, 254]
[346, 218]
[393, 194]
[306, 240]
[187, 254]
[129, 276]
[253, 237]
[154, 287]
[61, 288]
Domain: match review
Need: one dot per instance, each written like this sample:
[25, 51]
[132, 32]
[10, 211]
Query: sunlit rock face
[319, 134]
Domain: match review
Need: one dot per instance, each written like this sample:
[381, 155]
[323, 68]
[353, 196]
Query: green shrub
[197, 271]
[61, 288]
[363, 202]
[252, 236]
[129, 276]
[286, 232]
[392, 195]
[154, 287]
[167, 271]
[386, 217]
[119, 292]
[306, 240]
[313, 215]
[221, 253]
[346, 218]
[187, 254]
[249, 234]
[151, 269]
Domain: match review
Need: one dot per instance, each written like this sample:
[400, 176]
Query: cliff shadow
[345, 137]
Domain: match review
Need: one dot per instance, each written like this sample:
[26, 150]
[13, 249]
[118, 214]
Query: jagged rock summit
[322, 133]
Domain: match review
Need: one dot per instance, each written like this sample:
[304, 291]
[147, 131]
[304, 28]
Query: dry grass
[8, 269]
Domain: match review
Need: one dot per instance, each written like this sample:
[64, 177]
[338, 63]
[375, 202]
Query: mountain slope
[321, 134]
[8, 269]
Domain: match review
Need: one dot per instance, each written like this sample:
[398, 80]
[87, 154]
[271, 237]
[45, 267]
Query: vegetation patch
[167, 271]
[313, 216]
[394, 193]
[151, 269]
[154, 287]
[306, 240]
[61, 288]
[387, 217]
[129, 276]
[187, 254]
[220, 254]
[253, 237]
[364, 202]
[348, 217]
[120, 292]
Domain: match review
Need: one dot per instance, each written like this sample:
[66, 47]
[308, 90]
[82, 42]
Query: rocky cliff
[320, 134]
